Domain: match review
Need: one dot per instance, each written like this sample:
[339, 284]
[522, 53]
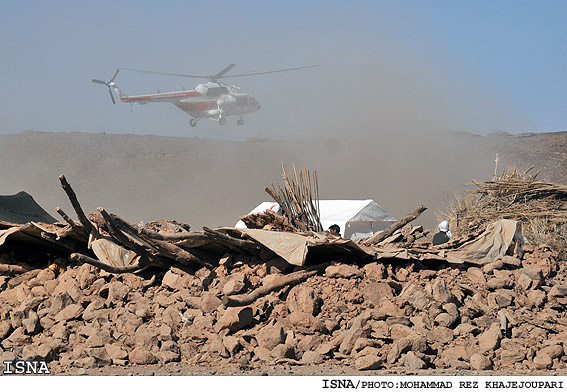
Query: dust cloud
[211, 183]
[389, 130]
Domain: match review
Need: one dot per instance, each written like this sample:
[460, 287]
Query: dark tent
[22, 208]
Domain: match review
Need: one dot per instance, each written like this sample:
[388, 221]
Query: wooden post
[382, 235]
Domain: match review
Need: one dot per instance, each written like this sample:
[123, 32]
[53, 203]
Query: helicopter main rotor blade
[111, 96]
[99, 81]
[167, 73]
[114, 76]
[268, 72]
[221, 73]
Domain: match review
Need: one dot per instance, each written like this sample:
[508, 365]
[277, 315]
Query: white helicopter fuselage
[209, 100]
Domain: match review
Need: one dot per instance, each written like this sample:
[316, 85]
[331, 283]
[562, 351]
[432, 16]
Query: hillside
[211, 182]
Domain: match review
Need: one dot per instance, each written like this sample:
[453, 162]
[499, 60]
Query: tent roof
[22, 208]
[339, 211]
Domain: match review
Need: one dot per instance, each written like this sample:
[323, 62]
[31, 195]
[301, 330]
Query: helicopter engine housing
[202, 89]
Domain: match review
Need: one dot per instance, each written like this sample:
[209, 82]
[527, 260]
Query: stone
[390, 308]
[312, 358]
[45, 275]
[368, 351]
[398, 331]
[476, 276]
[100, 355]
[452, 309]
[490, 339]
[500, 299]
[234, 319]
[17, 338]
[440, 335]
[510, 357]
[303, 299]
[115, 351]
[537, 298]
[374, 271]
[146, 337]
[362, 343]
[85, 276]
[277, 266]
[368, 362]
[140, 356]
[535, 274]
[558, 291]
[542, 361]
[70, 312]
[465, 329]
[441, 292]
[454, 353]
[232, 344]
[168, 356]
[172, 280]
[412, 361]
[210, 302]
[488, 268]
[412, 293]
[59, 302]
[343, 271]
[31, 323]
[270, 336]
[399, 347]
[552, 351]
[263, 354]
[524, 282]
[309, 342]
[282, 351]
[5, 329]
[117, 292]
[234, 285]
[480, 362]
[355, 331]
[499, 283]
[511, 261]
[305, 323]
[445, 320]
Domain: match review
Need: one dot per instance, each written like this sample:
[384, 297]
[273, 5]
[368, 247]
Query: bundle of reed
[540, 206]
[299, 198]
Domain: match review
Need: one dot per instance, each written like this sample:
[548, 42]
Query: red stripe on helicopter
[184, 94]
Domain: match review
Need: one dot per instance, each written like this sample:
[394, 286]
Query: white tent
[356, 218]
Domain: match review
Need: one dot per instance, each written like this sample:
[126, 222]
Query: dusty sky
[408, 66]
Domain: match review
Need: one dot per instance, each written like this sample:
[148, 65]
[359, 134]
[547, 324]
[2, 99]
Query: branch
[75, 203]
[382, 235]
[278, 283]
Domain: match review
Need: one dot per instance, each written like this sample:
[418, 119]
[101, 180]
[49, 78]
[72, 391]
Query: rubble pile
[105, 292]
[268, 220]
[540, 206]
[507, 314]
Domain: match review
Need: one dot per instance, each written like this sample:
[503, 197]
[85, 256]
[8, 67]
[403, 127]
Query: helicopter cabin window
[217, 90]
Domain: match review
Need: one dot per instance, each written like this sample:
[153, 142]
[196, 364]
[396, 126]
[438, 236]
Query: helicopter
[213, 100]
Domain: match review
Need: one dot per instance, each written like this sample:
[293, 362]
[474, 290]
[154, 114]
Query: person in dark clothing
[443, 235]
[335, 229]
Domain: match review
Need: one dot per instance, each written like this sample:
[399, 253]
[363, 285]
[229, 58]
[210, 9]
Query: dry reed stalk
[299, 198]
[539, 205]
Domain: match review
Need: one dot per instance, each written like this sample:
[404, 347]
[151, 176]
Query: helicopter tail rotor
[110, 84]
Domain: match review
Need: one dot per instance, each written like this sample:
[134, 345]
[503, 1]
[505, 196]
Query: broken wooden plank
[276, 284]
[380, 236]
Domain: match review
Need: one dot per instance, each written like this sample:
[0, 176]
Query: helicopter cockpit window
[217, 91]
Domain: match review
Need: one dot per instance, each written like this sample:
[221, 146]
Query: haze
[394, 79]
